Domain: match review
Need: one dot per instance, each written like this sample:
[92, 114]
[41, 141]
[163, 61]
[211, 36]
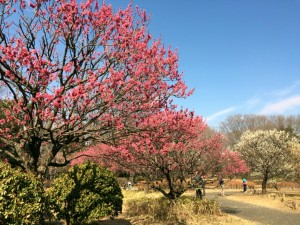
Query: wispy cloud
[282, 105]
[220, 113]
[287, 90]
[281, 101]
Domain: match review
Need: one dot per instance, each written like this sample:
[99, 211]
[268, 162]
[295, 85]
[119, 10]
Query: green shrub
[21, 197]
[85, 193]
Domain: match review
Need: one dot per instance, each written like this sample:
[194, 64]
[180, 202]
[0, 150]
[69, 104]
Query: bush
[21, 197]
[85, 193]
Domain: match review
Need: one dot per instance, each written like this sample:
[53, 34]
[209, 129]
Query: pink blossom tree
[158, 153]
[175, 146]
[77, 72]
[232, 164]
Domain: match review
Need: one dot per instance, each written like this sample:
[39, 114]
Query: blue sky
[240, 56]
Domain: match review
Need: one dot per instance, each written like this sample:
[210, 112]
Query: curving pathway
[259, 214]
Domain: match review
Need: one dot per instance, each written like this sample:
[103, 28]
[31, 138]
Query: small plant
[21, 197]
[85, 193]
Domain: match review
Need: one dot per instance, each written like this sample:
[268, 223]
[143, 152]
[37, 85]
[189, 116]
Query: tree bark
[171, 194]
[264, 184]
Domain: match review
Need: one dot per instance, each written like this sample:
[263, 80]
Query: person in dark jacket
[221, 184]
[203, 183]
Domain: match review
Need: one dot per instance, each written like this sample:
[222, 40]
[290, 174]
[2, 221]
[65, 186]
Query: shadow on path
[112, 222]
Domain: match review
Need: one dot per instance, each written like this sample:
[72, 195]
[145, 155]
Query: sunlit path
[255, 213]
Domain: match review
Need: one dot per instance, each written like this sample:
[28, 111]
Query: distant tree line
[234, 126]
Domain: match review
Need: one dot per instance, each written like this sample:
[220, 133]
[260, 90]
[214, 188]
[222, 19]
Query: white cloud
[276, 102]
[282, 105]
[220, 113]
[287, 90]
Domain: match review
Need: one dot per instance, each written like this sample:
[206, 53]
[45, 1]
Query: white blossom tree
[268, 152]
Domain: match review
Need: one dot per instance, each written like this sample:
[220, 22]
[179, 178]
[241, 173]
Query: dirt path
[255, 213]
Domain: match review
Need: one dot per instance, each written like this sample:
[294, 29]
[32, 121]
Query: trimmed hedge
[21, 197]
[85, 193]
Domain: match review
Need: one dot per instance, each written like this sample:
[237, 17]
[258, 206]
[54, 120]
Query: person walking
[245, 184]
[221, 183]
[203, 183]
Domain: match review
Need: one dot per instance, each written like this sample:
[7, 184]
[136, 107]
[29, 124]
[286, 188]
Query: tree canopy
[269, 152]
[76, 72]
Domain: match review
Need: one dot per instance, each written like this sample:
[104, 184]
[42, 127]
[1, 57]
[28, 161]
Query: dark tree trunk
[264, 183]
[173, 193]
